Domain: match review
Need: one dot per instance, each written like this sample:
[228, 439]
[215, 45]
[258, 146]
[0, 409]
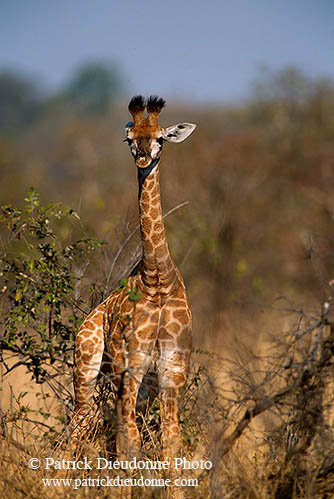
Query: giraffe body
[149, 319]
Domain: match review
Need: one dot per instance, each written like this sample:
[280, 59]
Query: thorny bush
[40, 276]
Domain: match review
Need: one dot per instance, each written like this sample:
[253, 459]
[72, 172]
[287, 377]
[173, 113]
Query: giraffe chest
[144, 323]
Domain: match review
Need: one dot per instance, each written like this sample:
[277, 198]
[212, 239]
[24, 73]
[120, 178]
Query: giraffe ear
[178, 133]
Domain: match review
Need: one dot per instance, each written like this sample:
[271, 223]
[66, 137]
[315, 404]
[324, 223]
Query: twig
[300, 381]
[128, 238]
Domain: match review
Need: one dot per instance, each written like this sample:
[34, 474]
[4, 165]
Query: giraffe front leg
[89, 346]
[173, 367]
[128, 441]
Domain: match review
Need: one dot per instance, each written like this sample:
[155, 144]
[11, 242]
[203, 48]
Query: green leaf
[134, 294]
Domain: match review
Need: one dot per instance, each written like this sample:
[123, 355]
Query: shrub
[40, 275]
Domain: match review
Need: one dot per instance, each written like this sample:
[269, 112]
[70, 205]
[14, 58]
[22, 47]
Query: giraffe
[148, 319]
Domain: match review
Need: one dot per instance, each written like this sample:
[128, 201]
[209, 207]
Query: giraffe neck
[159, 272]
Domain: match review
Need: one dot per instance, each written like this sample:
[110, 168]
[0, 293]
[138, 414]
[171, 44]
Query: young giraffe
[156, 327]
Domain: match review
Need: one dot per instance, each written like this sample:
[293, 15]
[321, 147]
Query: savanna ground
[251, 200]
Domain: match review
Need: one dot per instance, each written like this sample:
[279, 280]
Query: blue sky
[205, 50]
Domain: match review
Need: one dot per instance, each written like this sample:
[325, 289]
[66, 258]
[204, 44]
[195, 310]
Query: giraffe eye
[160, 140]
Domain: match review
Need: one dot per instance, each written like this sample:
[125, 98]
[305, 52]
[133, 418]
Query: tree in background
[288, 83]
[289, 100]
[92, 90]
[20, 100]
[94, 87]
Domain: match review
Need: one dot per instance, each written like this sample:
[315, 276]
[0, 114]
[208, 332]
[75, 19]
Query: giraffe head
[144, 134]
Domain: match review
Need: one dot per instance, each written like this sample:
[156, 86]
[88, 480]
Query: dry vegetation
[255, 246]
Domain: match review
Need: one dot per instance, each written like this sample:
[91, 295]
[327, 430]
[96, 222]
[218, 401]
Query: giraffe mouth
[144, 171]
[143, 162]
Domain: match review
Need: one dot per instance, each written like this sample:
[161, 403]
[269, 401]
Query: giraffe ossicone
[128, 334]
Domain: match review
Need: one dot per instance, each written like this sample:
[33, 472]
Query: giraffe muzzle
[143, 161]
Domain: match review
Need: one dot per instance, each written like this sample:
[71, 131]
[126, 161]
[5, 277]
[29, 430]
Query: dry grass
[264, 423]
